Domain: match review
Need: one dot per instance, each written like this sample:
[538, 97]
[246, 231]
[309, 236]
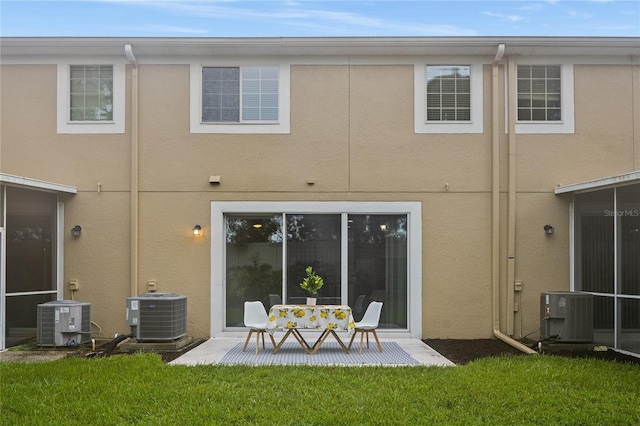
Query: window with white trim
[544, 92]
[539, 95]
[240, 98]
[448, 98]
[91, 98]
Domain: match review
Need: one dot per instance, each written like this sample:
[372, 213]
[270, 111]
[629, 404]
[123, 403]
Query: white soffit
[25, 182]
[611, 181]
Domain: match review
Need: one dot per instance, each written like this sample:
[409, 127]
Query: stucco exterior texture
[352, 134]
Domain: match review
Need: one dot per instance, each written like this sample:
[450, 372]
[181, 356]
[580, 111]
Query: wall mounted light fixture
[197, 230]
[76, 231]
[548, 230]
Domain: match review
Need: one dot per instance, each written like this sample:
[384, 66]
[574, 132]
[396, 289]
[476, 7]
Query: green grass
[142, 390]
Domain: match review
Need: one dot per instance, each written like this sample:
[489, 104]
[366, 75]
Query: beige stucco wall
[352, 134]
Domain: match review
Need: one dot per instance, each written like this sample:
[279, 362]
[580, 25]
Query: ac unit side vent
[566, 316]
[157, 316]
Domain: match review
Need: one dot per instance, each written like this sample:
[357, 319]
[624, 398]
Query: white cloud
[160, 28]
[510, 18]
[531, 7]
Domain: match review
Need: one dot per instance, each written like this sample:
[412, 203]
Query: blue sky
[231, 18]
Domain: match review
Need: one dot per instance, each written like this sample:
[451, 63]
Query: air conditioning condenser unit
[157, 316]
[566, 316]
[63, 323]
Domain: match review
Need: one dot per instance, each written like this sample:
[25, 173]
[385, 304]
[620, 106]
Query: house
[454, 179]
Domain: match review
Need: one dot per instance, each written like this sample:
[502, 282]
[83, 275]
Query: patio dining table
[325, 318]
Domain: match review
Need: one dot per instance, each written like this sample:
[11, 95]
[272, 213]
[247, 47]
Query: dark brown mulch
[463, 351]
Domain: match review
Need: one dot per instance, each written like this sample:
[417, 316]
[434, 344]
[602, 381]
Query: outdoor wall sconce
[76, 231]
[197, 230]
[548, 230]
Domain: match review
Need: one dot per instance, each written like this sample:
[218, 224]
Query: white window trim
[66, 126]
[413, 210]
[567, 124]
[475, 125]
[283, 125]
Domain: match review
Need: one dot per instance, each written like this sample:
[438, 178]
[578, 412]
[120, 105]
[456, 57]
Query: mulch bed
[463, 351]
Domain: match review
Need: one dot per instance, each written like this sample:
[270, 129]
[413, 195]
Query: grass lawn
[142, 390]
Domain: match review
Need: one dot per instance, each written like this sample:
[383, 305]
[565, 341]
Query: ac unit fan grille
[160, 317]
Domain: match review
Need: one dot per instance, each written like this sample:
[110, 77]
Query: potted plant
[311, 283]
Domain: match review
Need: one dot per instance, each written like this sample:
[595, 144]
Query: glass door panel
[378, 266]
[313, 240]
[253, 262]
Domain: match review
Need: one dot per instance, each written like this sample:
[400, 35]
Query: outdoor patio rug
[329, 354]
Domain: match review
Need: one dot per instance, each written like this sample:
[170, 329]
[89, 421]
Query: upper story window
[448, 98]
[239, 94]
[91, 98]
[91, 93]
[240, 99]
[448, 93]
[539, 96]
[544, 97]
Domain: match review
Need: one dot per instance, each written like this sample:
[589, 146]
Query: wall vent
[157, 316]
[567, 315]
[63, 323]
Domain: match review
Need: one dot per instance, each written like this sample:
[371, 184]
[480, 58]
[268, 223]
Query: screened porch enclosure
[607, 262]
[361, 257]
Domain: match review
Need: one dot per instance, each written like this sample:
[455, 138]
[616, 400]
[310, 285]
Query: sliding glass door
[361, 256]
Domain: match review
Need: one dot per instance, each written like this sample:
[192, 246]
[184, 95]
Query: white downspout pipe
[495, 195]
[128, 50]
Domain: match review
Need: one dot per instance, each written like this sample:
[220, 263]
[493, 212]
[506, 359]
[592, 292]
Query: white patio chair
[275, 299]
[255, 317]
[368, 325]
[358, 307]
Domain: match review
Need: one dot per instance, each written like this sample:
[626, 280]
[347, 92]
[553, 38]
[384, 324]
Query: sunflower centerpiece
[311, 283]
